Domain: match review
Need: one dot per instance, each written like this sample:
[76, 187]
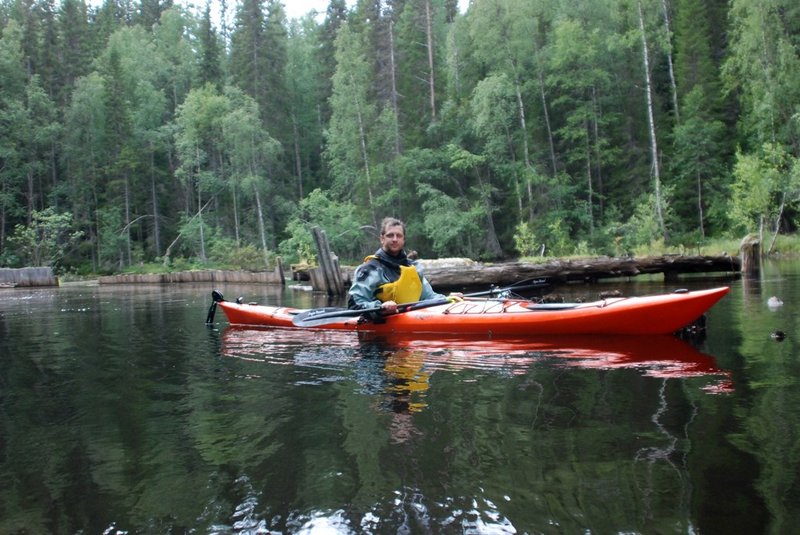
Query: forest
[145, 132]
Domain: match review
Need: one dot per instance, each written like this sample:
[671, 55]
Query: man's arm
[366, 280]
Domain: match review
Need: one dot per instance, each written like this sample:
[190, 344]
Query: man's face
[393, 240]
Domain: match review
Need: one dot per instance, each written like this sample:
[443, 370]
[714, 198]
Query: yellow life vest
[406, 289]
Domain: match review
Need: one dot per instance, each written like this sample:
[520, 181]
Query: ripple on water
[409, 512]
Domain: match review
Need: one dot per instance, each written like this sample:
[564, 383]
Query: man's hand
[389, 307]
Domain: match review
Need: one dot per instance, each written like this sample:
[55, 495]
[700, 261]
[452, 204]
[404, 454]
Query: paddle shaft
[311, 318]
[534, 284]
[316, 317]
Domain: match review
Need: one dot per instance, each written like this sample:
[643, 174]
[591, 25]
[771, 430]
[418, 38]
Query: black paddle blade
[211, 311]
[216, 297]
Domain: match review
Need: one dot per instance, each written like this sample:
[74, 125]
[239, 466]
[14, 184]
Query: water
[121, 412]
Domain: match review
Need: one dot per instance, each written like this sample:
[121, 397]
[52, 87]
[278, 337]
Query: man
[389, 277]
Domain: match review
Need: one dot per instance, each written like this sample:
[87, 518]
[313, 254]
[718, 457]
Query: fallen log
[455, 273]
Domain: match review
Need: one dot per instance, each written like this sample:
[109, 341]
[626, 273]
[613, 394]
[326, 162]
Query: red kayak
[646, 315]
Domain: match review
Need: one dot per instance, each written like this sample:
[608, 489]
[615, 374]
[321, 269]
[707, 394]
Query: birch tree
[84, 148]
[198, 140]
[763, 66]
[506, 40]
[651, 122]
[581, 73]
[252, 152]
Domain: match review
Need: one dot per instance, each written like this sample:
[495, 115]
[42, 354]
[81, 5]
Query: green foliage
[46, 240]
[763, 66]
[462, 124]
[765, 183]
[525, 241]
[249, 148]
[559, 240]
[641, 233]
[343, 230]
[699, 166]
[111, 238]
[194, 233]
[225, 253]
[451, 224]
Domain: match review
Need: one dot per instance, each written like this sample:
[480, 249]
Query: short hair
[391, 222]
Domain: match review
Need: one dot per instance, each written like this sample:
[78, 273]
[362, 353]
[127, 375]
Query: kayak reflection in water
[389, 277]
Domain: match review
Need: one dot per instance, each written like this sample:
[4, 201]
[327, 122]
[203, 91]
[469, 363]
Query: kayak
[643, 315]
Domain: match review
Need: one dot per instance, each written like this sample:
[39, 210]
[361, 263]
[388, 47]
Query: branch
[126, 227]
[200, 211]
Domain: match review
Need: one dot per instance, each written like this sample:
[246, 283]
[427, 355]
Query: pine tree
[210, 69]
[149, 12]
[353, 115]
[420, 34]
[249, 62]
[303, 87]
[274, 105]
[694, 65]
[73, 46]
[12, 93]
[335, 16]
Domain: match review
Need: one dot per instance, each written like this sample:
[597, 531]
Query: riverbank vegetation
[147, 134]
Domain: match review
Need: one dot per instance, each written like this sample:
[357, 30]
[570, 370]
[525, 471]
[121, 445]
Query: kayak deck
[645, 315]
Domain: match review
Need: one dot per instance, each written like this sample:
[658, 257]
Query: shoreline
[453, 273]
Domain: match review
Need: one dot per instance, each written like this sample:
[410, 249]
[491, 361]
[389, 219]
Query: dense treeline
[140, 131]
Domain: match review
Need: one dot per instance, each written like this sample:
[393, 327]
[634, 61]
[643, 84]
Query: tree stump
[750, 253]
[331, 276]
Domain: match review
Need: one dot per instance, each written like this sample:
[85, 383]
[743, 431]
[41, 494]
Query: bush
[525, 241]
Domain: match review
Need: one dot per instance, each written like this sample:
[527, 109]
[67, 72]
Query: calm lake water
[121, 412]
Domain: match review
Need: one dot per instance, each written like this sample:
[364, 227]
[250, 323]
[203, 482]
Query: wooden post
[750, 252]
[328, 264]
[322, 259]
[335, 270]
[279, 271]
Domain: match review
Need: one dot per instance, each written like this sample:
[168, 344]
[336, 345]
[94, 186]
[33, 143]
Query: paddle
[326, 316]
[518, 286]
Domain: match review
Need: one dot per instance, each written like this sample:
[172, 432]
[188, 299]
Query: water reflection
[398, 375]
[404, 362]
